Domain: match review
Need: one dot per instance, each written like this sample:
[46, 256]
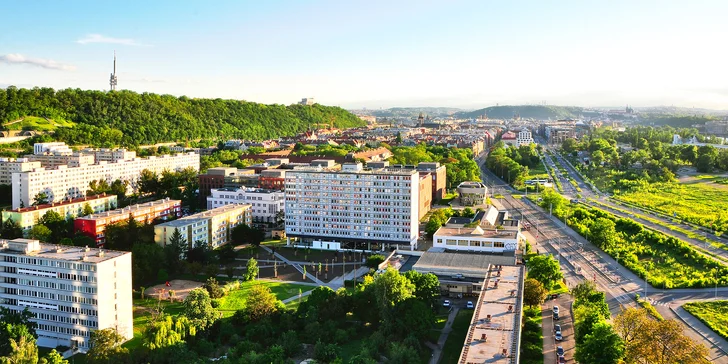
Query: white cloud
[14, 58]
[98, 38]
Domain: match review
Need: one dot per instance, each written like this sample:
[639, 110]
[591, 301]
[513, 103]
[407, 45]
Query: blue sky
[378, 53]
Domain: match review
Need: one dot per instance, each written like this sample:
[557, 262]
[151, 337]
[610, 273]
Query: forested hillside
[525, 111]
[128, 118]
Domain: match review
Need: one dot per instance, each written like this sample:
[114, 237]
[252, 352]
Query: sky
[378, 54]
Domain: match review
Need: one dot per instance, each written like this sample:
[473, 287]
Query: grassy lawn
[40, 124]
[455, 341]
[700, 204]
[235, 300]
[448, 198]
[712, 313]
[559, 288]
[538, 172]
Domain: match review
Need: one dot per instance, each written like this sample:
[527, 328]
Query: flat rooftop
[206, 214]
[126, 210]
[477, 232]
[59, 252]
[470, 264]
[494, 333]
[64, 202]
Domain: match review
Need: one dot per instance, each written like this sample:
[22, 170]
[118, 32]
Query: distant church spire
[113, 80]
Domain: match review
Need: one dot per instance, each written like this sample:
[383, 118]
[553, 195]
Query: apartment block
[109, 155]
[439, 178]
[8, 166]
[212, 227]
[28, 217]
[265, 204]
[225, 177]
[94, 225]
[64, 182]
[71, 291]
[334, 209]
[55, 159]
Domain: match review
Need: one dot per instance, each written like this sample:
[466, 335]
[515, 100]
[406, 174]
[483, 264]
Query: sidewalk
[704, 331]
[437, 352]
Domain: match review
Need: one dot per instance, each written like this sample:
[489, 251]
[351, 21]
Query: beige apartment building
[212, 227]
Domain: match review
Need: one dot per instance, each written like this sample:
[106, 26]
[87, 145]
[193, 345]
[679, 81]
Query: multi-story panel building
[272, 179]
[265, 204]
[110, 155]
[524, 138]
[65, 182]
[212, 228]
[94, 225]
[8, 166]
[71, 291]
[55, 159]
[334, 209]
[28, 217]
[225, 177]
[54, 147]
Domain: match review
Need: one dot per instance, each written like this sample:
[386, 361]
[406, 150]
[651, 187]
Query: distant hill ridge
[129, 118]
[524, 111]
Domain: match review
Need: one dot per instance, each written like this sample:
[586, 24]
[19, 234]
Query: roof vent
[101, 253]
[84, 258]
[86, 248]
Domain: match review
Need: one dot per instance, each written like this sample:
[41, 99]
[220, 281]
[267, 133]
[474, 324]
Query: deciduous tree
[534, 293]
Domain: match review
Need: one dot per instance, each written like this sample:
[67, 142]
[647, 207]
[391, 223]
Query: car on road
[556, 316]
[561, 360]
[446, 303]
[557, 327]
[556, 310]
[560, 351]
[470, 304]
[558, 336]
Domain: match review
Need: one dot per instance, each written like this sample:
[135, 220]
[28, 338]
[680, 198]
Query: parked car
[557, 327]
[558, 336]
[459, 277]
[560, 351]
[470, 304]
[446, 303]
[556, 310]
[562, 360]
[556, 316]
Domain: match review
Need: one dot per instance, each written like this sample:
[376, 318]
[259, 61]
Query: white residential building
[71, 291]
[52, 147]
[8, 166]
[524, 138]
[212, 227]
[334, 209]
[265, 204]
[65, 182]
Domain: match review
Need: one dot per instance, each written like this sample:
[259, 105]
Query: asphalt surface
[582, 260]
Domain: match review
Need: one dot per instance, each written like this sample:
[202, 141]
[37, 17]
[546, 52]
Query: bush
[213, 288]
[325, 353]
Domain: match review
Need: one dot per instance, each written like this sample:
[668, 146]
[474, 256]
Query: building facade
[8, 166]
[212, 228]
[28, 217]
[472, 193]
[225, 177]
[524, 138]
[71, 291]
[352, 207]
[65, 182]
[94, 226]
[265, 204]
[439, 178]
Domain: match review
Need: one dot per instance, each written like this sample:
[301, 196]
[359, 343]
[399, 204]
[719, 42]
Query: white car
[446, 303]
[556, 310]
[470, 304]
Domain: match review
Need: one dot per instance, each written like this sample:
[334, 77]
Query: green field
[699, 203]
[455, 340]
[39, 124]
[235, 300]
[712, 313]
[232, 302]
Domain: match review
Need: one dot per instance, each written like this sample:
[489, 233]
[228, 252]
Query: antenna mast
[113, 80]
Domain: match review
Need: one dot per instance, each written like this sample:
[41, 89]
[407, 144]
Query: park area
[714, 314]
[699, 201]
[234, 300]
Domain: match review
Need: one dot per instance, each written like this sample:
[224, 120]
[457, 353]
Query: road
[582, 260]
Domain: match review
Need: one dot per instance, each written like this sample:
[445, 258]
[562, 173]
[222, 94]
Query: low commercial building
[27, 217]
[490, 231]
[70, 291]
[472, 193]
[95, 225]
[212, 228]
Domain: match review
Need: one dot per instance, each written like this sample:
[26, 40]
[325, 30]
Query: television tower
[112, 79]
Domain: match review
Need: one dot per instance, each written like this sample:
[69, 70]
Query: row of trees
[501, 162]
[128, 118]
[459, 163]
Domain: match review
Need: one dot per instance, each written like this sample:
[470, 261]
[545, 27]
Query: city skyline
[376, 54]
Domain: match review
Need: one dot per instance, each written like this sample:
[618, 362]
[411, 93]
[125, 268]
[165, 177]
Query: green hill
[36, 123]
[129, 118]
[525, 111]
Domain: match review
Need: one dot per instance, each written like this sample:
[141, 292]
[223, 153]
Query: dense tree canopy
[129, 118]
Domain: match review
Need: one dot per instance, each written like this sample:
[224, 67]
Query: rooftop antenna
[113, 79]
